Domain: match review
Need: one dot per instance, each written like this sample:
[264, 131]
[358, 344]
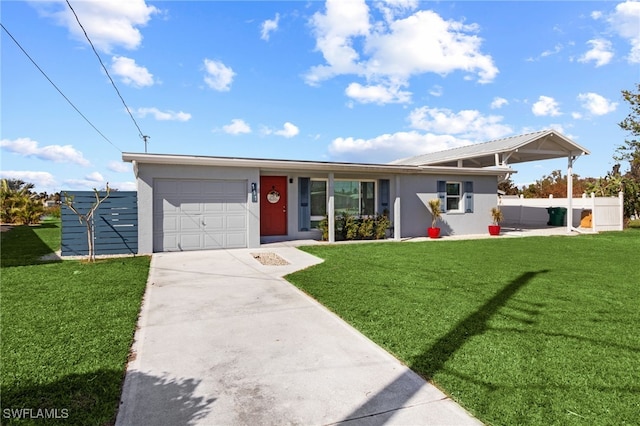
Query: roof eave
[291, 165]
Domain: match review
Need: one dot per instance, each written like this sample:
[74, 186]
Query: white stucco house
[188, 202]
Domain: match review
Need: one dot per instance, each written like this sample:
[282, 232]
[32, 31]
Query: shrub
[365, 230]
[53, 211]
[381, 225]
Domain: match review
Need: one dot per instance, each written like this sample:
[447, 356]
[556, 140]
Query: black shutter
[383, 188]
[442, 195]
[304, 209]
[468, 197]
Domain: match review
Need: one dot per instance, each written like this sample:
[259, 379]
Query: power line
[142, 136]
[57, 88]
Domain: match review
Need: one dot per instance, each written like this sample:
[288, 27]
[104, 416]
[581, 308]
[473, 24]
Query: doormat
[270, 259]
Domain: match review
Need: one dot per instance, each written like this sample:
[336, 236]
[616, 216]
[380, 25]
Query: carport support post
[570, 193]
[331, 211]
[396, 211]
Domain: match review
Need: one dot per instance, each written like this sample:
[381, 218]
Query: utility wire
[142, 136]
[57, 88]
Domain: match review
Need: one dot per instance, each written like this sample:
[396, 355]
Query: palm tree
[18, 202]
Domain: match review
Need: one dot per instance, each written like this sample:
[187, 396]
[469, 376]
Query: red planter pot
[433, 232]
[494, 229]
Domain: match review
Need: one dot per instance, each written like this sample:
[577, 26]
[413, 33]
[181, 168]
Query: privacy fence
[115, 223]
[589, 212]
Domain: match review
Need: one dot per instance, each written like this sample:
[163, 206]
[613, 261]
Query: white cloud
[109, 24]
[498, 102]
[467, 124]
[556, 49]
[378, 94]
[119, 167]
[90, 181]
[441, 129]
[596, 104]
[83, 184]
[391, 8]
[626, 22]
[289, 130]
[546, 106]
[218, 76]
[596, 14]
[124, 186]
[269, 26]
[576, 115]
[130, 73]
[43, 181]
[163, 115]
[436, 91]
[601, 52]
[430, 45]
[94, 177]
[56, 153]
[386, 147]
[237, 127]
[334, 32]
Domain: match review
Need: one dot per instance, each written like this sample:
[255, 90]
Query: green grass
[24, 245]
[67, 327]
[536, 331]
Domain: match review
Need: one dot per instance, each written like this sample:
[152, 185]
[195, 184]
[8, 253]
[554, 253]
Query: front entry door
[273, 205]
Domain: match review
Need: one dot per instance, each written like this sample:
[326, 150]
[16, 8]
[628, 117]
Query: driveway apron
[224, 340]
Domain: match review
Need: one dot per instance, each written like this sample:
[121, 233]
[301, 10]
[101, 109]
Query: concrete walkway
[224, 340]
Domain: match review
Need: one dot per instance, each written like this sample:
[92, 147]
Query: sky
[341, 80]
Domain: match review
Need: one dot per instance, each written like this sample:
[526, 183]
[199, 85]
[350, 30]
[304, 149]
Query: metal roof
[542, 145]
[301, 165]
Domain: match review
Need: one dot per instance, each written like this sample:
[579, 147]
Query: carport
[537, 146]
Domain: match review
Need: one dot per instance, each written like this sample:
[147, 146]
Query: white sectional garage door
[199, 214]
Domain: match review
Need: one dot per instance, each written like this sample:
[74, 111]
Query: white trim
[331, 213]
[295, 165]
[460, 195]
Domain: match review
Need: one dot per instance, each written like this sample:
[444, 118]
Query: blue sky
[332, 81]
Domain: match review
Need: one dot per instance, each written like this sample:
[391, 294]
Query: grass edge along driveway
[537, 330]
[67, 328]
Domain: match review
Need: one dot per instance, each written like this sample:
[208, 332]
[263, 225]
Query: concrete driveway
[224, 340]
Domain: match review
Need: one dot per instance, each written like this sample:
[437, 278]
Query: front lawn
[67, 327]
[538, 330]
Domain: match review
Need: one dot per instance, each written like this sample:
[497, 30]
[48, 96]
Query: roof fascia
[290, 165]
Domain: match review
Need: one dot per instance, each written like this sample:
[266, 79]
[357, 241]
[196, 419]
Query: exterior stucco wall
[414, 191]
[417, 190]
[148, 172]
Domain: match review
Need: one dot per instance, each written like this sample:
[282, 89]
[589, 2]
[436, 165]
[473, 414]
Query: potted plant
[496, 217]
[436, 213]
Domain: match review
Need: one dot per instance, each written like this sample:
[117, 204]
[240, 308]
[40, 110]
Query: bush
[53, 211]
[349, 227]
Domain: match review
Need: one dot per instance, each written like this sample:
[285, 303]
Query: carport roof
[542, 145]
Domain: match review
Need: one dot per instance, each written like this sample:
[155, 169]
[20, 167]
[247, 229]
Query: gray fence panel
[115, 223]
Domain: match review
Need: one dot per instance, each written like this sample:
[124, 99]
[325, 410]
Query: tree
[630, 150]
[629, 183]
[612, 184]
[19, 204]
[508, 187]
[554, 184]
[87, 218]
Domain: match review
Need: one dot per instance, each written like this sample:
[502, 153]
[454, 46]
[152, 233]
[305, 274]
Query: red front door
[273, 205]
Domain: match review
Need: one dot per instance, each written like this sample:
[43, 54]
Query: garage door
[199, 214]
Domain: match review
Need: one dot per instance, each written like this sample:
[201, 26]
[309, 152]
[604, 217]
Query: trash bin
[586, 219]
[556, 216]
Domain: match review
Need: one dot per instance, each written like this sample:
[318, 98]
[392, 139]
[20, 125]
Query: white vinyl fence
[606, 213]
